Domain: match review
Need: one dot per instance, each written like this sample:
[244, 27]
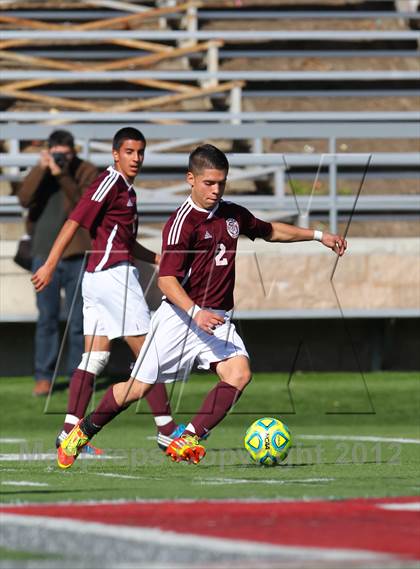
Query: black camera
[60, 158]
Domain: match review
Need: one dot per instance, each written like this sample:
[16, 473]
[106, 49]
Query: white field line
[343, 438]
[10, 457]
[127, 476]
[11, 441]
[222, 481]
[144, 535]
[23, 483]
[358, 438]
[411, 507]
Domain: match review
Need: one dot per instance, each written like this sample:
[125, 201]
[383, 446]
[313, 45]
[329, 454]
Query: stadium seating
[299, 104]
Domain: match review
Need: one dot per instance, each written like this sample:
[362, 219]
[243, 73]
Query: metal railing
[203, 14]
[200, 76]
[248, 165]
[182, 117]
[231, 35]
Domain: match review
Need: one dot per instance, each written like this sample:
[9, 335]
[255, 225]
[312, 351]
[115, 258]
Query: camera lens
[60, 159]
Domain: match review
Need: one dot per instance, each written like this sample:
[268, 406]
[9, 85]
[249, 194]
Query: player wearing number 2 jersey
[200, 247]
[193, 323]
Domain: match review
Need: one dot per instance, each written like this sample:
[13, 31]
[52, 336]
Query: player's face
[129, 158]
[207, 187]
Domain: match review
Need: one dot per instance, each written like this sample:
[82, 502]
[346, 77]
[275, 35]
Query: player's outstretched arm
[44, 274]
[144, 254]
[205, 319]
[285, 233]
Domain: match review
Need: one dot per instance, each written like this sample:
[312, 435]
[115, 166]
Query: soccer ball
[268, 441]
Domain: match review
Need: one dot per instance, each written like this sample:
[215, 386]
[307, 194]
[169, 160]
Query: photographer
[50, 191]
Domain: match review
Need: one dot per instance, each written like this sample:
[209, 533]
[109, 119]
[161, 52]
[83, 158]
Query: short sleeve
[90, 205]
[175, 250]
[253, 227]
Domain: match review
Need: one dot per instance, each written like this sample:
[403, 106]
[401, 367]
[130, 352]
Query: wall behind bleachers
[320, 345]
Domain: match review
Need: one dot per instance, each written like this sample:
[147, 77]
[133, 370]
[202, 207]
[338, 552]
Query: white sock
[71, 419]
[163, 420]
[190, 428]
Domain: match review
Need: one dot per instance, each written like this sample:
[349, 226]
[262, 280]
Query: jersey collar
[112, 169]
[210, 213]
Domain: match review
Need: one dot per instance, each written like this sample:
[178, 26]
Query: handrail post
[279, 183]
[190, 22]
[86, 148]
[163, 22]
[212, 60]
[333, 184]
[236, 102]
[14, 149]
[257, 146]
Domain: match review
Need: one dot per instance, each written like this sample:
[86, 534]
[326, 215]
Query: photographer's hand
[44, 159]
[54, 168]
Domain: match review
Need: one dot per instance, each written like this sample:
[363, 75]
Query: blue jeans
[47, 336]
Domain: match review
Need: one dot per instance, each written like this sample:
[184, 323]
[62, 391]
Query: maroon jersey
[199, 248]
[108, 210]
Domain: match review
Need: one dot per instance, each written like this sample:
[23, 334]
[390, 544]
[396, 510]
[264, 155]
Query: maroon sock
[159, 404]
[80, 392]
[107, 409]
[215, 407]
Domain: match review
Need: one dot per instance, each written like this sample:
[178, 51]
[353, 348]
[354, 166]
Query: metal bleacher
[51, 73]
[54, 77]
[267, 83]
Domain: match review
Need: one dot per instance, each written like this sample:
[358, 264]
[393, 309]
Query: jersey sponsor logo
[232, 227]
[208, 235]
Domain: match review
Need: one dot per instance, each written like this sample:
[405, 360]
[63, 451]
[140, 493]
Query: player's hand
[42, 278]
[158, 258]
[335, 242]
[208, 320]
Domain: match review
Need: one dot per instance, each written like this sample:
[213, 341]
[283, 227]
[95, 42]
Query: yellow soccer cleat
[71, 446]
[186, 447]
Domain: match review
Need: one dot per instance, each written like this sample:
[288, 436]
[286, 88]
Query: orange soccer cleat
[186, 447]
[71, 447]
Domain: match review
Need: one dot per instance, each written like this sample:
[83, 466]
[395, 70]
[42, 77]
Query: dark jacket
[50, 199]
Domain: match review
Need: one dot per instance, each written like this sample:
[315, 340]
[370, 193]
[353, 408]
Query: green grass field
[322, 405]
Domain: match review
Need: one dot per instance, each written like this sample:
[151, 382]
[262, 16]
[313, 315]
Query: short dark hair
[126, 133]
[61, 138]
[205, 157]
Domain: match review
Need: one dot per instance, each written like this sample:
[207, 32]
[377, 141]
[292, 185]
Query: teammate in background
[193, 323]
[50, 191]
[113, 301]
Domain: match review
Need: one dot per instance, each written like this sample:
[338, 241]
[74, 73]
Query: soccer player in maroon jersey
[193, 323]
[113, 301]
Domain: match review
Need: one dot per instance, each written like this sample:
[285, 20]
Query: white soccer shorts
[114, 304]
[175, 342]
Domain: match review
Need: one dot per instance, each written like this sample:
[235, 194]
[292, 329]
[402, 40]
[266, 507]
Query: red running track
[350, 524]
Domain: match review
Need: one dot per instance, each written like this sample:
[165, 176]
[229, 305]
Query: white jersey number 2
[220, 260]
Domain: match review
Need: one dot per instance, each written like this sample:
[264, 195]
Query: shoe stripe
[164, 439]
